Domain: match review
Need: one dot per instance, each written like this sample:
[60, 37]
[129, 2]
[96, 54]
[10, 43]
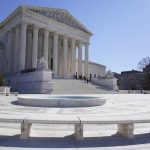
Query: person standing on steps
[90, 76]
[87, 80]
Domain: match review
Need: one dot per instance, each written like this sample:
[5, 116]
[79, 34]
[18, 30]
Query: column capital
[80, 44]
[86, 44]
[65, 37]
[35, 27]
[24, 25]
[73, 39]
[56, 34]
[46, 32]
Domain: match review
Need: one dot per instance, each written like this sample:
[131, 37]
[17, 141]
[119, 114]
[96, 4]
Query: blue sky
[121, 28]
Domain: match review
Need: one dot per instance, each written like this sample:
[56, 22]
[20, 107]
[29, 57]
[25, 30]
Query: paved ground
[96, 137]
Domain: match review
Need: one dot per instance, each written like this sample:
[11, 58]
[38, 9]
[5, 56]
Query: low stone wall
[134, 91]
[110, 83]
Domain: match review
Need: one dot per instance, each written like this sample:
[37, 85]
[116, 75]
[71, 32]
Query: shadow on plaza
[69, 142]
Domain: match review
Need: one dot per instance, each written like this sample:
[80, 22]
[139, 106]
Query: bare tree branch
[143, 63]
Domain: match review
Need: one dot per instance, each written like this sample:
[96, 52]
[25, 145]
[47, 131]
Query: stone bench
[125, 123]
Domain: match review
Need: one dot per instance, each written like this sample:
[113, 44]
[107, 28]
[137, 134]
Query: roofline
[94, 63]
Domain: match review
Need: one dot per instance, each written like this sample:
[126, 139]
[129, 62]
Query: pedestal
[32, 82]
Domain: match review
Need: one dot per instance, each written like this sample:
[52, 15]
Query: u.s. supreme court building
[30, 33]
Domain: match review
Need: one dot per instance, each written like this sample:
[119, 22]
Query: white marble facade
[96, 70]
[30, 33]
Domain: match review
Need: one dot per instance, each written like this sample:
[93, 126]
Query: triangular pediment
[60, 15]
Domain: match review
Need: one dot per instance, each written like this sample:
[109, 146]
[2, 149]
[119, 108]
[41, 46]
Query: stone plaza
[96, 136]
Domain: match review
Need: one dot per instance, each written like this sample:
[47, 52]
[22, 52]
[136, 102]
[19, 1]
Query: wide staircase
[72, 86]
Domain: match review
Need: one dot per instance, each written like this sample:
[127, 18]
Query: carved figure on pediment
[42, 64]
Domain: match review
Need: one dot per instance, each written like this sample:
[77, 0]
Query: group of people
[82, 77]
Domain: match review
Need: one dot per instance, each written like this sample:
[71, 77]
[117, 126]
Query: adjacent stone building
[130, 80]
[94, 69]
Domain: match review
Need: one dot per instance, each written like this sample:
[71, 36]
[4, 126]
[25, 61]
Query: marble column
[35, 47]
[9, 46]
[13, 49]
[65, 57]
[6, 53]
[86, 59]
[73, 55]
[60, 54]
[80, 59]
[46, 37]
[16, 49]
[22, 46]
[49, 52]
[55, 55]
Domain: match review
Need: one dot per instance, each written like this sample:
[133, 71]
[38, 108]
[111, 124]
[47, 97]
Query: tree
[144, 65]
